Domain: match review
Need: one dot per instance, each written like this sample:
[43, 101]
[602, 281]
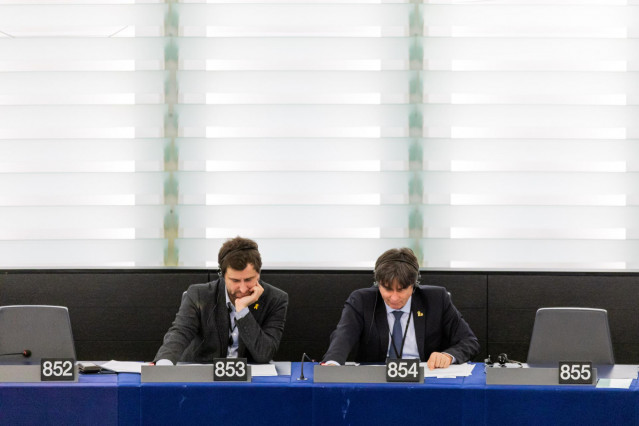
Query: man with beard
[236, 315]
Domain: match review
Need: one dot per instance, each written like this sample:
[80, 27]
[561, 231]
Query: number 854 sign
[404, 370]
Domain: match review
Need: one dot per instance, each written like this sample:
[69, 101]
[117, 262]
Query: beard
[238, 295]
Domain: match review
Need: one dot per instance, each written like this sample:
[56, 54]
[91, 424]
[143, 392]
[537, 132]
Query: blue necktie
[397, 335]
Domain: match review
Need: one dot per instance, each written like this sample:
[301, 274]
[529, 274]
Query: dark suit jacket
[439, 327]
[200, 331]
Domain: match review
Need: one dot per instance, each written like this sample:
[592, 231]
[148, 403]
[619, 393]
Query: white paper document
[123, 366]
[258, 370]
[453, 370]
[614, 383]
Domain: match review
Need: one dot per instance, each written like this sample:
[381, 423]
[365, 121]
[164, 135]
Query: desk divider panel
[354, 374]
[527, 376]
[176, 373]
[26, 374]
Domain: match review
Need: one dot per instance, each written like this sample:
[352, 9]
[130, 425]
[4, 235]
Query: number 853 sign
[231, 370]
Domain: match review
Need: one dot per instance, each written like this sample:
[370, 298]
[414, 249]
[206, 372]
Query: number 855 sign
[575, 373]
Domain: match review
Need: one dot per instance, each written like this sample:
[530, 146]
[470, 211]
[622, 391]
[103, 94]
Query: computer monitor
[571, 334]
[39, 331]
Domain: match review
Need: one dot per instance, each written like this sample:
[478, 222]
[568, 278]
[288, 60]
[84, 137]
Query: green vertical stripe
[415, 131]
[171, 151]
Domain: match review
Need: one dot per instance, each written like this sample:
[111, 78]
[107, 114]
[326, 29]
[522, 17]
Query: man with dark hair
[398, 318]
[236, 315]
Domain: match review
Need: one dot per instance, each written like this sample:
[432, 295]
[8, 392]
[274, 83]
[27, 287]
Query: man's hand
[254, 294]
[439, 360]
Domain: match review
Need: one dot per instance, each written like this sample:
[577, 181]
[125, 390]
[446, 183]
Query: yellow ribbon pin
[420, 314]
[256, 305]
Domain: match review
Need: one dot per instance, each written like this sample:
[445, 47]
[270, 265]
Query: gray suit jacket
[439, 327]
[200, 331]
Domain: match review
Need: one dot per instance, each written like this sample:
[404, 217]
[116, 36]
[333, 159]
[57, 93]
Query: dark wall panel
[315, 305]
[513, 300]
[114, 314]
[468, 292]
[123, 314]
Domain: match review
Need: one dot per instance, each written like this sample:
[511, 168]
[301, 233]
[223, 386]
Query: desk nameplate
[26, 374]
[354, 374]
[179, 373]
[176, 373]
[527, 376]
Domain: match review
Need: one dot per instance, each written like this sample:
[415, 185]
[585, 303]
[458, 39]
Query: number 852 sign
[57, 369]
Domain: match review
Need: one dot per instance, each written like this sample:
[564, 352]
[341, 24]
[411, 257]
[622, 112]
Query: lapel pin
[256, 306]
[420, 314]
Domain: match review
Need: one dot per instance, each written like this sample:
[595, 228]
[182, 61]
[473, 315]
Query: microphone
[25, 353]
[301, 377]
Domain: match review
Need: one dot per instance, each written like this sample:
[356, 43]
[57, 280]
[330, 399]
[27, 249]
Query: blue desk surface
[93, 400]
[122, 399]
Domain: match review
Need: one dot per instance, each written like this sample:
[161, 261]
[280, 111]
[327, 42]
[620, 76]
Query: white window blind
[484, 134]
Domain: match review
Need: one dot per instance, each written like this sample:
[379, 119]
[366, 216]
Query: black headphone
[502, 360]
[376, 284]
[235, 250]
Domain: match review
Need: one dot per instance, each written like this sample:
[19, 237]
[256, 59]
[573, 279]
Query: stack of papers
[123, 366]
[453, 370]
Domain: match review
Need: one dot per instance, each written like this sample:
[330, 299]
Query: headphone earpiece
[502, 360]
